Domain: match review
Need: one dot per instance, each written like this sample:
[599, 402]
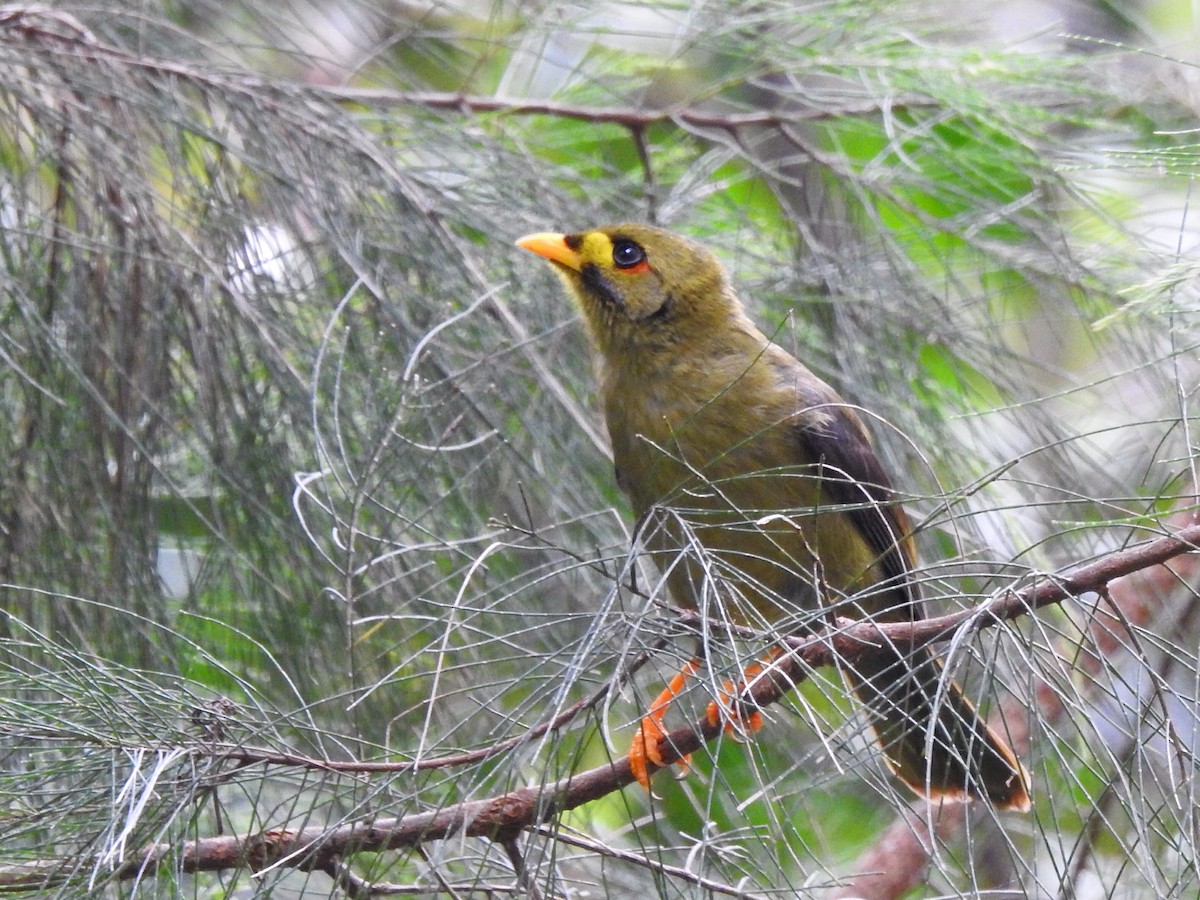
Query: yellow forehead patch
[597, 247]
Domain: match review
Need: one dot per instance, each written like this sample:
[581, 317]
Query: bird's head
[639, 287]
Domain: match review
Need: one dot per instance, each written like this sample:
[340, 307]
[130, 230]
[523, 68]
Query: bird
[757, 487]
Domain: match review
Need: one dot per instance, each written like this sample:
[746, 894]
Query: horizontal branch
[42, 25]
[1010, 604]
[627, 116]
[504, 816]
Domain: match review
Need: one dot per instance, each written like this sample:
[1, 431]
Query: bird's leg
[723, 709]
[644, 750]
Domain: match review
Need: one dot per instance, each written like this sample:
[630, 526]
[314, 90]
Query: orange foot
[722, 709]
[644, 751]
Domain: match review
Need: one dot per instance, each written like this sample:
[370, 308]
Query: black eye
[627, 254]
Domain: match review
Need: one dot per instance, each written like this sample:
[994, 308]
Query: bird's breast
[718, 476]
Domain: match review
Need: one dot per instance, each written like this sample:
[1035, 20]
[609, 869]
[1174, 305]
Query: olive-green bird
[722, 439]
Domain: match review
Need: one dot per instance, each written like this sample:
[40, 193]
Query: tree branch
[897, 861]
[44, 26]
[502, 817]
[633, 118]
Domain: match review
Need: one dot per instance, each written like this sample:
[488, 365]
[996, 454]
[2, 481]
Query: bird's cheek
[647, 305]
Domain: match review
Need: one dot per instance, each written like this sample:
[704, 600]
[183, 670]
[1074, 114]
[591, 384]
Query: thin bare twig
[630, 117]
[252, 755]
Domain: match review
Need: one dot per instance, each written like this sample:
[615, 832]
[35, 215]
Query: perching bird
[723, 439]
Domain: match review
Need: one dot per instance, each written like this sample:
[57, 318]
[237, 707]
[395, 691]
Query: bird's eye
[627, 254]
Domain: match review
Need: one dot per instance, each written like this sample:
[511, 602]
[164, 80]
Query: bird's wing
[829, 433]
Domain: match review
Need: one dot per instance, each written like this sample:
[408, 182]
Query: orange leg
[644, 751]
[721, 709]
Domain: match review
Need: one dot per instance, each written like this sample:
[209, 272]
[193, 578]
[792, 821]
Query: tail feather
[933, 738]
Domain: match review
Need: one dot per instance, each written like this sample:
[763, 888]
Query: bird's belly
[729, 525]
[763, 547]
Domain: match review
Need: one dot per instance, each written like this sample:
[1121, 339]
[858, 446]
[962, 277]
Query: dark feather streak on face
[663, 311]
[595, 282]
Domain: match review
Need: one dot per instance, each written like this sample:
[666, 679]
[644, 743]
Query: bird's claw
[644, 752]
[738, 725]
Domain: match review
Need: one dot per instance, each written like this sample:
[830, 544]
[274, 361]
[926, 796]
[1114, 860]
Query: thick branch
[501, 817]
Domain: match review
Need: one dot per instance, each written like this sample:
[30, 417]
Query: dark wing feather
[836, 441]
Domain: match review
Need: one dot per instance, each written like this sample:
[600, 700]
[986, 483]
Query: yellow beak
[553, 247]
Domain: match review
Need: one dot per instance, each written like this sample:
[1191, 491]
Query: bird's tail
[931, 735]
